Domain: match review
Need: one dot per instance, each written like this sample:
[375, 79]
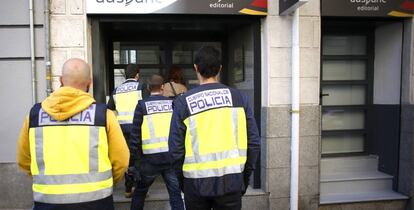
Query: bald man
[72, 147]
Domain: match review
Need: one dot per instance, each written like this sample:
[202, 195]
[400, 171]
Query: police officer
[72, 147]
[214, 140]
[124, 100]
[149, 145]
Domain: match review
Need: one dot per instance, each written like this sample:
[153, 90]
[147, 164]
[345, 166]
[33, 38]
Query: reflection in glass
[116, 53]
[344, 45]
[133, 56]
[182, 57]
[119, 77]
[148, 57]
[146, 73]
[124, 56]
[343, 119]
[189, 74]
[343, 95]
[191, 47]
[342, 143]
[343, 70]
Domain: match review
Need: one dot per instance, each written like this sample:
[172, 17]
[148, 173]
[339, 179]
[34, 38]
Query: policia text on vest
[214, 141]
[149, 149]
[72, 147]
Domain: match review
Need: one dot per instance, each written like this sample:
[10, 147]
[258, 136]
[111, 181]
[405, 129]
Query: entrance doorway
[157, 42]
[156, 58]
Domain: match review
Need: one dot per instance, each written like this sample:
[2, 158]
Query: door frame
[99, 29]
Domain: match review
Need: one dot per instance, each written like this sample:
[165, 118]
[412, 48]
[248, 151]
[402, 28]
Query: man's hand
[133, 173]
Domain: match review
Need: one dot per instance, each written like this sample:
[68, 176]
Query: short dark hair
[208, 60]
[155, 82]
[131, 71]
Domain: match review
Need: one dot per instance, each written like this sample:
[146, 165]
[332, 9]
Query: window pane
[343, 70]
[146, 73]
[344, 45]
[148, 56]
[116, 53]
[189, 74]
[343, 119]
[183, 52]
[343, 95]
[182, 57]
[124, 57]
[119, 76]
[133, 56]
[342, 143]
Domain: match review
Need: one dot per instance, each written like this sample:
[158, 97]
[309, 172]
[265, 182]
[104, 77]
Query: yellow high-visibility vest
[156, 126]
[69, 159]
[126, 98]
[215, 143]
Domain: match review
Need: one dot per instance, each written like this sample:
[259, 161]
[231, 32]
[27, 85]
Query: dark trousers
[103, 204]
[129, 180]
[230, 201]
[148, 174]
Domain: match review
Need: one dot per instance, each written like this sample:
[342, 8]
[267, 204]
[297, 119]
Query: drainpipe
[32, 53]
[294, 170]
[47, 49]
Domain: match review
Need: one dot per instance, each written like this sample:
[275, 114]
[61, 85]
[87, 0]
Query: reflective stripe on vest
[215, 149]
[69, 161]
[125, 104]
[155, 130]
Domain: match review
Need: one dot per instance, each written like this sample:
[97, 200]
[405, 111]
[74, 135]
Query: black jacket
[126, 128]
[212, 186]
[136, 137]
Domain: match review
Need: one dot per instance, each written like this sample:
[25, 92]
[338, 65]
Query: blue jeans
[148, 174]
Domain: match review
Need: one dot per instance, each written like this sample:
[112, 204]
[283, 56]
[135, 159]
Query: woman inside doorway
[175, 85]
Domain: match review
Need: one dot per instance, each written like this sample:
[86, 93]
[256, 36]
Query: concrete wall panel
[16, 90]
[15, 42]
[16, 12]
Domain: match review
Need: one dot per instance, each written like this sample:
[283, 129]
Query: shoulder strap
[173, 89]
[100, 114]
[34, 115]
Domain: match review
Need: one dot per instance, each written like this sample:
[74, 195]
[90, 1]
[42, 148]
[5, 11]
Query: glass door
[150, 56]
[344, 93]
[156, 58]
[183, 56]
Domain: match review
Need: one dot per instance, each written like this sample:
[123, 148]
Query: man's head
[156, 83]
[77, 74]
[207, 62]
[132, 71]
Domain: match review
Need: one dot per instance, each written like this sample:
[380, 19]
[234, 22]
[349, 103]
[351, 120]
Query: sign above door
[368, 8]
[219, 7]
[286, 7]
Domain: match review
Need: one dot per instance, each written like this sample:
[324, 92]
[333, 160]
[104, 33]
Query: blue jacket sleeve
[135, 138]
[176, 141]
[253, 140]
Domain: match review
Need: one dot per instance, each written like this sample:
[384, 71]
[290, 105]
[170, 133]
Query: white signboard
[125, 6]
[227, 7]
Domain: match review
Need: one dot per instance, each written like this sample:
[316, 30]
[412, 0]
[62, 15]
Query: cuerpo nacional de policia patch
[126, 87]
[158, 106]
[209, 99]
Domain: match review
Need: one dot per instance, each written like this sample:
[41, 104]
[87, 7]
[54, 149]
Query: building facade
[356, 112]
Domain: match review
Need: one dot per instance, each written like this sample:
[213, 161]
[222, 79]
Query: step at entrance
[158, 198]
[355, 179]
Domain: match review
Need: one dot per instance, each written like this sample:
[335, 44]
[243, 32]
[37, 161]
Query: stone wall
[68, 31]
[276, 117]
